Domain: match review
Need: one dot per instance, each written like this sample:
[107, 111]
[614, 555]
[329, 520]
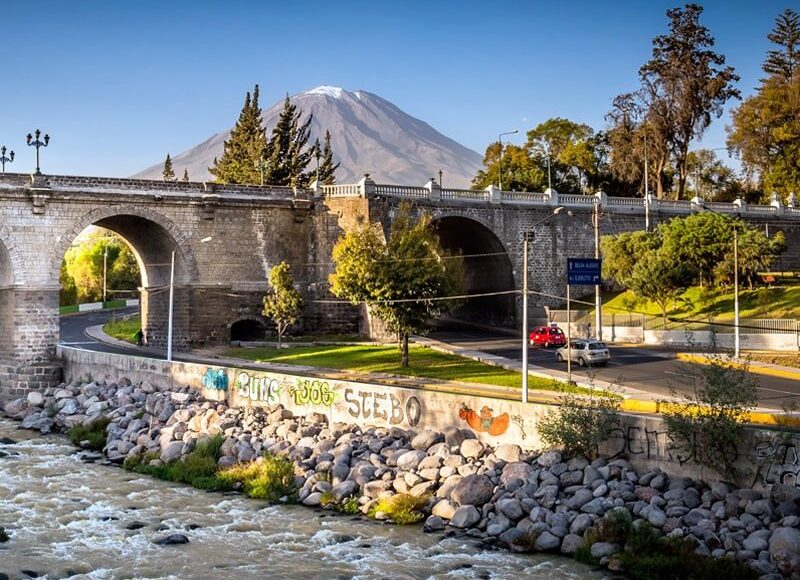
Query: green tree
[757, 253]
[287, 152]
[658, 277]
[621, 252]
[785, 60]
[327, 168]
[83, 265]
[686, 83]
[283, 305]
[569, 146]
[185, 178]
[402, 281]
[168, 173]
[765, 129]
[244, 147]
[520, 171]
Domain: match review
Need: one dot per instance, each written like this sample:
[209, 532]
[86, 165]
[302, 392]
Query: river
[70, 518]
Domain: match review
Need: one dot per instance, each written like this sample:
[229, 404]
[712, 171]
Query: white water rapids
[69, 518]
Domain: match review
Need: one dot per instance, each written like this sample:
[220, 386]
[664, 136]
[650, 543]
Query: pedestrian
[139, 336]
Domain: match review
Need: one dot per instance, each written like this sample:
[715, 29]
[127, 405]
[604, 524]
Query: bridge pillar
[154, 308]
[28, 350]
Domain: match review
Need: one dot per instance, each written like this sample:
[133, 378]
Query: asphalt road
[73, 330]
[653, 370]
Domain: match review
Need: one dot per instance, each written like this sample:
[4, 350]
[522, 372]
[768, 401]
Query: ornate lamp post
[316, 155]
[35, 142]
[4, 159]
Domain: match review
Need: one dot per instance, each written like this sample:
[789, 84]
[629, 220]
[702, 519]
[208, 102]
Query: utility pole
[598, 300]
[500, 163]
[646, 187]
[105, 275]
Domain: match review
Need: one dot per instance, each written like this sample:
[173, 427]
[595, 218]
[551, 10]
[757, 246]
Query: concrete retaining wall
[766, 456]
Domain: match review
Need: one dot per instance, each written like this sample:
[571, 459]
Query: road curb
[754, 367]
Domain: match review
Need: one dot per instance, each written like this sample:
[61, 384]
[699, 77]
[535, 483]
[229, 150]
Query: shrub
[707, 426]
[198, 468]
[581, 422]
[349, 505]
[270, 479]
[94, 433]
[402, 508]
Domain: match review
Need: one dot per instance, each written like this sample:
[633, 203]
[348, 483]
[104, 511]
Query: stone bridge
[226, 238]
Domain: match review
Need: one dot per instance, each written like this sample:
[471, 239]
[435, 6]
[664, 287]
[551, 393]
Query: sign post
[580, 272]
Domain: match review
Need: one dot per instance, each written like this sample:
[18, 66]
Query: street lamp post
[260, 164]
[4, 159]
[35, 142]
[556, 211]
[500, 163]
[105, 275]
[598, 299]
[316, 155]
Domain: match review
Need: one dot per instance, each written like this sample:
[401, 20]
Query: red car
[547, 336]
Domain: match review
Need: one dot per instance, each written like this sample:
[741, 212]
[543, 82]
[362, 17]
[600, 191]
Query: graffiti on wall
[486, 421]
[399, 409]
[312, 392]
[215, 379]
[255, 387]
[778, 460]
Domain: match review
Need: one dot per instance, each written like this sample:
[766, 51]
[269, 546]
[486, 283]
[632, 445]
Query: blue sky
[119, 84]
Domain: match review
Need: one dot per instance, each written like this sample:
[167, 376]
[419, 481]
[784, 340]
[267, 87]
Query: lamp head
[11, 155]
[559, 209]
[46, 139]
[29, 138]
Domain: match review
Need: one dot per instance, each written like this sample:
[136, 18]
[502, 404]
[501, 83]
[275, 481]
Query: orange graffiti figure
[485, 422]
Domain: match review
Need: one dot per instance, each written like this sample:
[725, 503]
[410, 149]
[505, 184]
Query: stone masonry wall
[766, 456]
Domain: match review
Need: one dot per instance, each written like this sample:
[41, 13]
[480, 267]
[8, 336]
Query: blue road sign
[583, 271]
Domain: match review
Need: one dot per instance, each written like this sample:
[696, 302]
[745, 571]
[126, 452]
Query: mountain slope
[368, 135]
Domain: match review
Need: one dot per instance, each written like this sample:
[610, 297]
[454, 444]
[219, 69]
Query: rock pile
[509, 497]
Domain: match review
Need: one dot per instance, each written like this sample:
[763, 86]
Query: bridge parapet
[492, 195]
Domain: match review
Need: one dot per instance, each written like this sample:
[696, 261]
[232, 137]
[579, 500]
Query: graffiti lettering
[258, 388]
[778, 460]
[215, 379]
[383, 406]
[313, 392]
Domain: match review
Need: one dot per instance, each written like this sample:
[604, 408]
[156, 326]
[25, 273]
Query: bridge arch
[11, 264]
[151, 236]
[10, 269]
[489, 269]
[152, 239]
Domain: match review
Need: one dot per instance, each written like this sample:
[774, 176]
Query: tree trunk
[404, 349]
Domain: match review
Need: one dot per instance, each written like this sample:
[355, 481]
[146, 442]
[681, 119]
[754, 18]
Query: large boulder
[171, 451]
[410, 460]
[508, 452]
[473, 490]
[426, 439]
[465, 517]
[517, 470]
[444, 509]
[471, 448]
[784, 551]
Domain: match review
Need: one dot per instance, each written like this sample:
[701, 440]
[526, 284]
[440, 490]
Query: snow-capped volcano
[368, 135]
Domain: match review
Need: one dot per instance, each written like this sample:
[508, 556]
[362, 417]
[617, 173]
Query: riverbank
[505, 496]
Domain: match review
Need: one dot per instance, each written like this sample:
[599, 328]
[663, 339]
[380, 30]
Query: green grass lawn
[424, 362]
[696, 302]
[123, 329]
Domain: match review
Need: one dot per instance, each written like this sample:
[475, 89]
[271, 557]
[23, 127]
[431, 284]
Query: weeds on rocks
[348, 505]
[580, 423]
[94, 433]
[402, 508]
[198, 468]
[271, 479]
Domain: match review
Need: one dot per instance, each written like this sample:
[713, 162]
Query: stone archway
[8, 278]
[153, 240]
[487, 269]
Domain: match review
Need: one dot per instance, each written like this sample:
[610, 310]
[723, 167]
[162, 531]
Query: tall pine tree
[168, 173]
[784, 62]
[244, 147]
[327, 168]
[287, 152]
